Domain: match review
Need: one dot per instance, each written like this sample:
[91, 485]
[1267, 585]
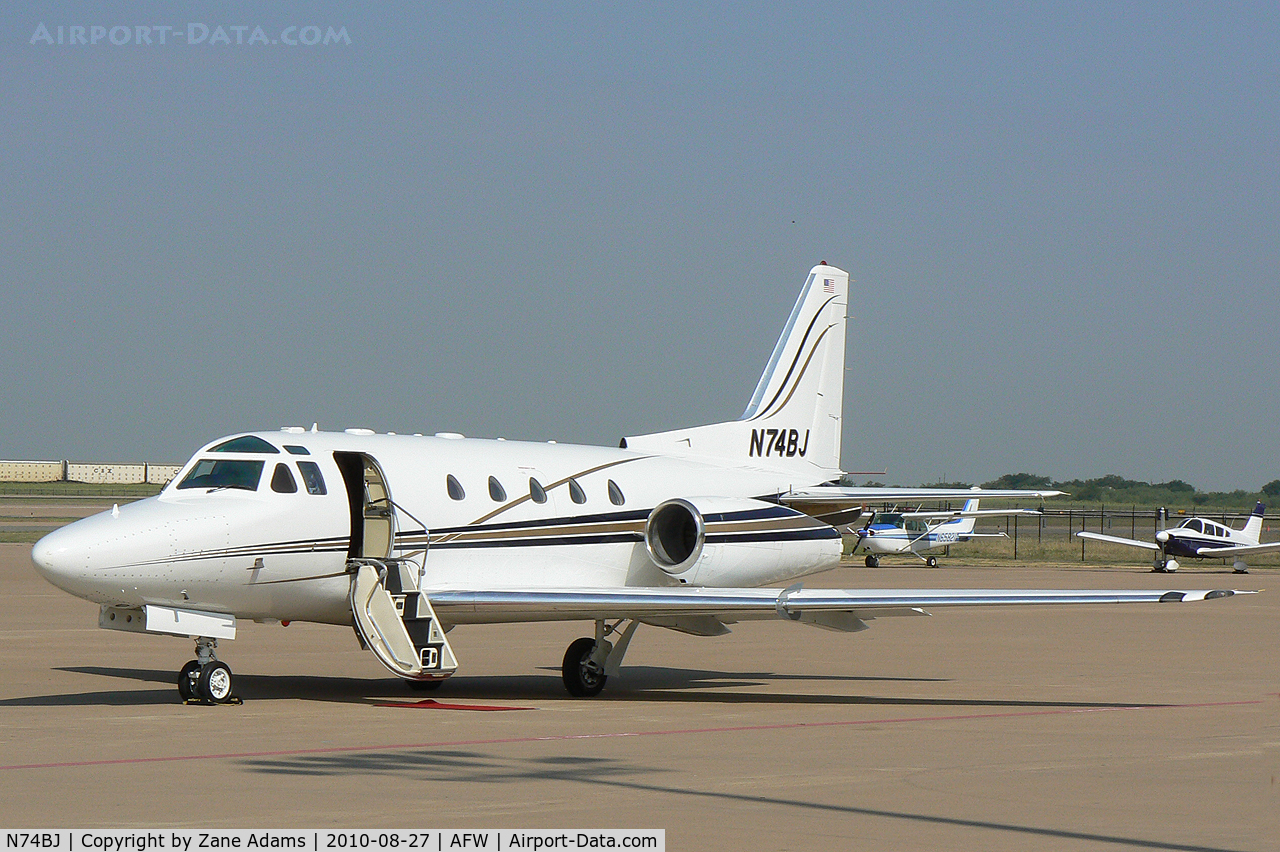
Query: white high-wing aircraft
[1201, 538]
[888, 533]
[406, 536]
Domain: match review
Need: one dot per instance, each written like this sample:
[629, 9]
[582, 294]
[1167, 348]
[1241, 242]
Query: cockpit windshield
[223, 473]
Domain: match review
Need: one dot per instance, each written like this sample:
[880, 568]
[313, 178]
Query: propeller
[864, 532]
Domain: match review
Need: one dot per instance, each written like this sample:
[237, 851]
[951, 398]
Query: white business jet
[889, 533]
[405, 537]
[1200, 538]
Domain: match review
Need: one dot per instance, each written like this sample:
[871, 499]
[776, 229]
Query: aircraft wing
[976, 513]
[1238, 550]
[1112, 539]
[670, 606]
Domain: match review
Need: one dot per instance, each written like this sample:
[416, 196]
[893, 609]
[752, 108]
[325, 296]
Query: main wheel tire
[931, 562]
[580, 677]
[189, 680]
[215, 682]
[872, 561]
[425, 685]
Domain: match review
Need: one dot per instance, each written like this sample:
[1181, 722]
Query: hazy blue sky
[578, 221]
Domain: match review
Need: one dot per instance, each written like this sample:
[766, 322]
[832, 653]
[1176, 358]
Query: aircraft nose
[58, 558]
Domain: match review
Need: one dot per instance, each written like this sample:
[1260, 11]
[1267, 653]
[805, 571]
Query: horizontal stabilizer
[1238, 550]
[826, 501]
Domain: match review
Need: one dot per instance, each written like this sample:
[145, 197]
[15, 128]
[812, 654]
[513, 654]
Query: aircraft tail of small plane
[1253, 527]
[794, 416]
[964, 525]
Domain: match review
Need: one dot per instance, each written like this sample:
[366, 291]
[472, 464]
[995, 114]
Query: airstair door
[401, 629]
[393, 619]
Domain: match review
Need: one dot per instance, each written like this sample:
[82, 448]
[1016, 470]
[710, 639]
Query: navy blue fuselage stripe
[812, 534]
[611, 517]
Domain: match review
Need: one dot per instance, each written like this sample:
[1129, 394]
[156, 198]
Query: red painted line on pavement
[780, 726]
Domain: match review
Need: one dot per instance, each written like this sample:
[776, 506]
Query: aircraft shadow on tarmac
[464, 766]
[640, 683]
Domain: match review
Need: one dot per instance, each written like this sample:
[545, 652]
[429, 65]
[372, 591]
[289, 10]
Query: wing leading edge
[1115, 539]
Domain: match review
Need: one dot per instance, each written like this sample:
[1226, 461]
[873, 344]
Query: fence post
[1082, 520]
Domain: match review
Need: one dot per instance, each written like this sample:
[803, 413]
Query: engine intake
[674, 535]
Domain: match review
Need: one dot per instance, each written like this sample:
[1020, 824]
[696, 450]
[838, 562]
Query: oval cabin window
[454, 487]
[496, 491]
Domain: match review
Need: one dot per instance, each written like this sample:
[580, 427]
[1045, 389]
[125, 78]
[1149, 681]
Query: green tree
[1019, 480]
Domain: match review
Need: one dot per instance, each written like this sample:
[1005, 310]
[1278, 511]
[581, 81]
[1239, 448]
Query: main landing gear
[589, 661]
[205, 679]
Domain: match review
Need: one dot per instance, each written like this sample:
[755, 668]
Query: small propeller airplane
[404, 537]
[887, 533]
[1200, 538]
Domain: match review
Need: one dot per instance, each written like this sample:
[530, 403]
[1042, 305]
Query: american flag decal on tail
[828, 285]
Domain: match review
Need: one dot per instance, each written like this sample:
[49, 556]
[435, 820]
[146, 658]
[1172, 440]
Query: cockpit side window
[282, 481]
[245, 444]
[311, 477]
[223, 473]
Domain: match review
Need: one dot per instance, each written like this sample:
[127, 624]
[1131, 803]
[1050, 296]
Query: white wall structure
[116, 473]
[32, 471]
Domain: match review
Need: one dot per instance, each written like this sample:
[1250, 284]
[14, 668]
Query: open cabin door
[392, 618]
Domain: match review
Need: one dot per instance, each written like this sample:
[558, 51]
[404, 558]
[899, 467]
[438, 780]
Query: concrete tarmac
[1100, 727]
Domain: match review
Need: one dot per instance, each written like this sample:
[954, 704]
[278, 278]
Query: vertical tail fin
[1253, 526]
[965, 525]
[794, 416]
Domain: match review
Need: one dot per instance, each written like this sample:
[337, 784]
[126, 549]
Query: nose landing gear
[205, 680]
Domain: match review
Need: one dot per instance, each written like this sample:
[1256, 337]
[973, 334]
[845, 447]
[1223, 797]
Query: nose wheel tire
[582, 677]
[215, 682]
[189, 680]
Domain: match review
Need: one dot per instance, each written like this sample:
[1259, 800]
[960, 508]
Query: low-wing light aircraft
[888, 533]
[1200, 538]
[406, 536]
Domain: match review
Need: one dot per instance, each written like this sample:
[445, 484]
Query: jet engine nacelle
[726, 541]
[675, 535]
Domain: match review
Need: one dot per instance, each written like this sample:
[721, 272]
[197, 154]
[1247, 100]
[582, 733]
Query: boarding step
[396, 621]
